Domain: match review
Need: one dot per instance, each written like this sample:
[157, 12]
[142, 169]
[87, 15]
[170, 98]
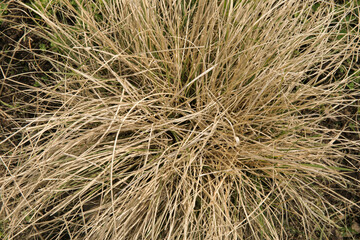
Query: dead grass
[187, 120]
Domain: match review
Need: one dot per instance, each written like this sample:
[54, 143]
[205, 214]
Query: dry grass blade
[188, 120]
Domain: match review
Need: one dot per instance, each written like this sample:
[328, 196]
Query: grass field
[188, 119]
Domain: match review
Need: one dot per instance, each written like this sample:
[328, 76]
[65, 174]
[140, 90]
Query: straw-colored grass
[187, 120]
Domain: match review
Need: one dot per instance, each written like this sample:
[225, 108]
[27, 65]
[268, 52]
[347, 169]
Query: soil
[18, 64]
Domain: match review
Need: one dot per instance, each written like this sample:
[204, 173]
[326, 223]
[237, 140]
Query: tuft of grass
[186, 120]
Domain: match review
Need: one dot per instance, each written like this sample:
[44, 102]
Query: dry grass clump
[187, 120]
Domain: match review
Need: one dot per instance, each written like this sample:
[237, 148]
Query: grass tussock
[187, 120]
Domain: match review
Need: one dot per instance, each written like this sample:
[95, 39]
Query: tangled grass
[186, 120]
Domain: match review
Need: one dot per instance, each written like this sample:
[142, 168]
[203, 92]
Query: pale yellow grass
[186, 120]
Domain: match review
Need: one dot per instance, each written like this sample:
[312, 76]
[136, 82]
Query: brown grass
[187, 120]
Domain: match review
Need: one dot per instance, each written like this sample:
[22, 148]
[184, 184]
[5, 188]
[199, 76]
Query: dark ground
[17, 66]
